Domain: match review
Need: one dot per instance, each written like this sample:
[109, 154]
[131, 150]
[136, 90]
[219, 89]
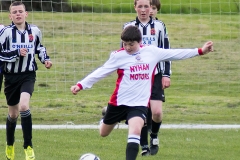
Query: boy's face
[142, 8]
[153, 11]
[18, 14]
[131, 47]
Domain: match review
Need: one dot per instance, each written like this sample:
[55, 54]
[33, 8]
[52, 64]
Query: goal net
[80, 34]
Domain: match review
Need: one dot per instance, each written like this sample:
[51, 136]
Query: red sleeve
[200, 52]
[80, 86]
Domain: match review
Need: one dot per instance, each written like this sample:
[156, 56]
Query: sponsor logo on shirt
[139, 68]
[18, 46]
[148, 40]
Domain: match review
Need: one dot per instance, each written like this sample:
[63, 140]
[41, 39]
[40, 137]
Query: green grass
[203, 89]
[176, 144]
[168, 6]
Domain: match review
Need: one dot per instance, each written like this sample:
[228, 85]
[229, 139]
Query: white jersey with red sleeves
[135, 73]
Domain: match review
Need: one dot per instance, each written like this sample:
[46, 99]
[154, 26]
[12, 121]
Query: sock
[10, 130]
[132, 147]
[26, 122]
[144, 137]
[132, 151]
[155, 129]
[149, 120]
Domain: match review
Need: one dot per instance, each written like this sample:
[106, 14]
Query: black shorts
[157, 91]
[116, 114]
[15, 84]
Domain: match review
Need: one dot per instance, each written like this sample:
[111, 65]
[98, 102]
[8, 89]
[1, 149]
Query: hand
[207, 47]
[75, 89]
[23, 51]
[48, 64]
[165, 82]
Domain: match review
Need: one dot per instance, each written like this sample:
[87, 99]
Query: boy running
[20, 75]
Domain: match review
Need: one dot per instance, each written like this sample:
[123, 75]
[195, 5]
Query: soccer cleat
[10, 152]
[29, 153]
[154, 145]
[145, 152]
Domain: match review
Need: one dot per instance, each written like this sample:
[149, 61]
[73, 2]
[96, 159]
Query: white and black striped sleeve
[40, 49]
[167, 69]
[8, 56]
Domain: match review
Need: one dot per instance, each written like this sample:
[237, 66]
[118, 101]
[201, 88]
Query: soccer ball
[89, 156]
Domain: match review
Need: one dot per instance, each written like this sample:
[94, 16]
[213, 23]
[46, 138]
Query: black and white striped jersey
[11, 39]
[154, 33]
[7, 56]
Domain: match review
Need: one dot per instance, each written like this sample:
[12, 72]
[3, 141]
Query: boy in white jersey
[135, 65]
[154, 32]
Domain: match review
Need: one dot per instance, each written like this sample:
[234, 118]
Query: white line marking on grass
[123, 126]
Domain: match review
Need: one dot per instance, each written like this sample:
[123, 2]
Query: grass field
[176, 144]
[204, 90]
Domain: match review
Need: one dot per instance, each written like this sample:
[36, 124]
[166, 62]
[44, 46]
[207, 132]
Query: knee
[157, 114]
[23, 107]
[13, 116]
[102, 134]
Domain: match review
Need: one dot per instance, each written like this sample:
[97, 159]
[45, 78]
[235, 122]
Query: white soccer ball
[89, 156]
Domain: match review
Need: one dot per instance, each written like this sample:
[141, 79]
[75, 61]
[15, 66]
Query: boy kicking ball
[135, 65]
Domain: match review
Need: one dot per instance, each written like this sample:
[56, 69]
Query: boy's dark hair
[157, 3]
[131, 33]
[16, 3]
[135, 2]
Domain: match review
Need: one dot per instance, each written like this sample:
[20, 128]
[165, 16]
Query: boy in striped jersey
[135, 65]
[9, 56]
[20, 76]
[1, 75]
[154, 32]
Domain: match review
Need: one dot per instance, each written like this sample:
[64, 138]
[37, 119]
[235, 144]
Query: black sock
[144, 137]
[155, 129]
[10, 130]
[149, 120]
[132, 151]
[26, 121]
